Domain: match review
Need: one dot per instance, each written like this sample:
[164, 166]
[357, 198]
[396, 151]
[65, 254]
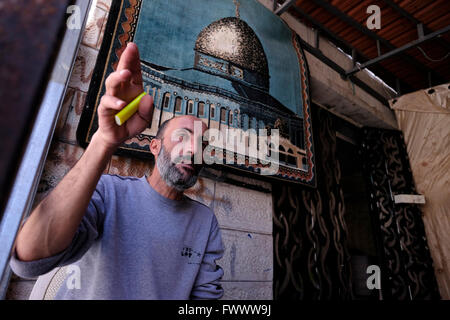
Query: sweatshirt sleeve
[87, 232]
[207, 284]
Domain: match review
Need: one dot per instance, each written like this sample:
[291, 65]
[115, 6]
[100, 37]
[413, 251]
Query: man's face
[176, 159]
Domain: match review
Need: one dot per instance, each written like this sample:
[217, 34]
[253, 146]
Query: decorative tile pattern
[83, 68]
[61, 158]
[129, 167]
[102, 33]
[74, 109]
[94, 24]
[68, 98]
[104, 4]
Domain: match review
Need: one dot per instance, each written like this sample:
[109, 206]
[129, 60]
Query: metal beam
[398, 50]
[398, 87]
[316, 38]
[402, 11]
[333, 65]
[354, 56]
[344, 17]
[340, 42]
[284, 7]
[317, 25]
[378, 48]
[415, 21]
[420, 33]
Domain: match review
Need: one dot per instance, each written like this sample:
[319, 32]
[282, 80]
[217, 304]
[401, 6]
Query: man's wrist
[102, 145]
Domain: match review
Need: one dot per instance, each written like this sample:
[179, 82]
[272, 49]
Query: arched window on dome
[190, 106]
[212, 111]
[223, 114]
[166, 100]
[178, 101]
[201, 109]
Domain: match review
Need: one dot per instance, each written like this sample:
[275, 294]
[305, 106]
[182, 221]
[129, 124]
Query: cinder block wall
[244, 214]
[245, 220]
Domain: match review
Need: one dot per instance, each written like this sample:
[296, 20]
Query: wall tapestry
[233, 64]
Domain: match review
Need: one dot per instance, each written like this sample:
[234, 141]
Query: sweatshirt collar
[155, 195]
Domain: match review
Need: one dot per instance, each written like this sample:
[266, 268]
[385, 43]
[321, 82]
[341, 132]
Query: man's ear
[155, 146]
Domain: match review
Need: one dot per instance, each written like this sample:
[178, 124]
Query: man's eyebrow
[185, 128]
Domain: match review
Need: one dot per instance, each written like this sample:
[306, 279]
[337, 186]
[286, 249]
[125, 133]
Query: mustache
[186, 159]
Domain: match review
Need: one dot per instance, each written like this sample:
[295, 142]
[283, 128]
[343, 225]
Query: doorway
[361, 240]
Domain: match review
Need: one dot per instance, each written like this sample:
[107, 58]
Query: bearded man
[130, 237]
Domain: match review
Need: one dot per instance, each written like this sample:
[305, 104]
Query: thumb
[142, 118]
[146, 107]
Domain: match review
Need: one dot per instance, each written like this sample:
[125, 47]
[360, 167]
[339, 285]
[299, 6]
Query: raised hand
[122, 86]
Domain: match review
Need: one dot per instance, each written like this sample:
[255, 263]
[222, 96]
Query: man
[130, 238]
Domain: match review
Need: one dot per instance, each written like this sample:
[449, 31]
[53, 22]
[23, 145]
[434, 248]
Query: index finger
[130, 60]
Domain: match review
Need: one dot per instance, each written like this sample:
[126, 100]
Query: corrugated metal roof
[397, 29]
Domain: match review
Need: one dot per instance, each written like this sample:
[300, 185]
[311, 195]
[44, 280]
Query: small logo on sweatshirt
[193, 256]
[74, 277]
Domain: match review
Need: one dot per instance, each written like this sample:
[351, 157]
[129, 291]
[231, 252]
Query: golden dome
[232, 40]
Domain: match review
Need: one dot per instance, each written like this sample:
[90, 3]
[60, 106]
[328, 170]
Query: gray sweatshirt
[134, 243]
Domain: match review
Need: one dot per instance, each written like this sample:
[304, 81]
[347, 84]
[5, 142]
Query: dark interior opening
[361, 240]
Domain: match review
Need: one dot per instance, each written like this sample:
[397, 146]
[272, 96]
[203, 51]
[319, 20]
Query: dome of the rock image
[230, 46]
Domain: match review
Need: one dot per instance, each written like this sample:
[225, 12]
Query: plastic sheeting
[424, 118]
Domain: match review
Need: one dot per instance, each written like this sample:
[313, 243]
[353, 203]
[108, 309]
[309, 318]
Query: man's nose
[193, 147]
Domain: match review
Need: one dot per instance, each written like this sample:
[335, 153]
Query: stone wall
[245, 220]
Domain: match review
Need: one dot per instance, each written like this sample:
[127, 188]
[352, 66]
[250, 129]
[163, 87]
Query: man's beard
[172, 175]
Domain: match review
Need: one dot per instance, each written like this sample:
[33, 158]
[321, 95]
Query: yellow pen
[130, 109]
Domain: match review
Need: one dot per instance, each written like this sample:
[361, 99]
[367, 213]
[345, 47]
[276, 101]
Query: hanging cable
[433, 60]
